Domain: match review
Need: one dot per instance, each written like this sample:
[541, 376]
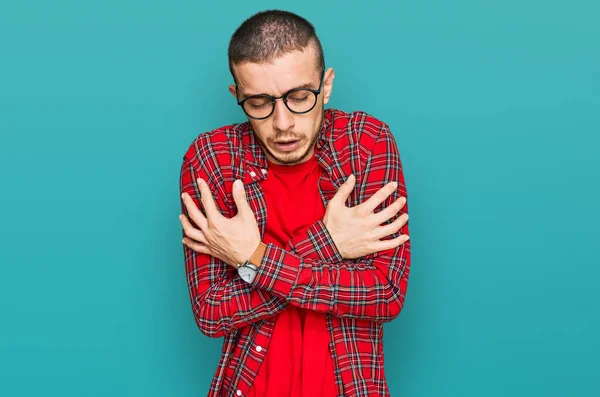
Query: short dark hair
[270, 34]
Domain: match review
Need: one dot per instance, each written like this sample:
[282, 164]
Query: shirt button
[253, 175]
[264, 171]
[239, 393]
[259, 348]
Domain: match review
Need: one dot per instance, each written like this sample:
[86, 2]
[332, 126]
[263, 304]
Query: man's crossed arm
[348, 281]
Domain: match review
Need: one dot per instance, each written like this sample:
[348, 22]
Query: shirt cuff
[278, 271]
[316, 240]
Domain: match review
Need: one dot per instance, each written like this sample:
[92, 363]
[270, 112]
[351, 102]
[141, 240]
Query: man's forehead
[275, 87]
[290, 71]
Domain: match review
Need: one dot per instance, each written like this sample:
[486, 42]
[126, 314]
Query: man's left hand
[231, 240]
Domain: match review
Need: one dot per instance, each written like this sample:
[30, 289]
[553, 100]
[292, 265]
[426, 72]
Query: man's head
[272, 53]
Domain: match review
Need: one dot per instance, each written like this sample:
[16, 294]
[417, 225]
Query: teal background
[496, 109]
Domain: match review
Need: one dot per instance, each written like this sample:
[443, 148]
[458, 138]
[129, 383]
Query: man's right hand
[357, 231]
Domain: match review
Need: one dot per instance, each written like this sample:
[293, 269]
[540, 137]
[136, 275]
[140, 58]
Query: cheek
[307, 126]
[262, 130]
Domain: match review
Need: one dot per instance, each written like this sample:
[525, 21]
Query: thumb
[239, 196]
[344, 191]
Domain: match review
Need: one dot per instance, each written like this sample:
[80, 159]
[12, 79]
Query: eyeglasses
[298, 101]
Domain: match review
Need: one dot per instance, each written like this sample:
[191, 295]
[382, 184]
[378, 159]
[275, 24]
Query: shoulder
[217, 157]
[356, 130]
[211, 145]
[217, 148]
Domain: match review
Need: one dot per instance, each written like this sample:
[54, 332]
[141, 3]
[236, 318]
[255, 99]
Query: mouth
[287, 146]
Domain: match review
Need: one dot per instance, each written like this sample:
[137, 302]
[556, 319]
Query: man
[298, 283]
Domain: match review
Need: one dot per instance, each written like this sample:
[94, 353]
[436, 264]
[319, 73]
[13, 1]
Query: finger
[194, 212]
[239, 196]
[195, 246]
[208, 202]
[384, 245]
[391, 228]
[390, 211]
[344, 191]
[191, 231]
[379, 197]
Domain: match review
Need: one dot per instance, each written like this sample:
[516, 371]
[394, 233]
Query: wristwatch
[247, 271]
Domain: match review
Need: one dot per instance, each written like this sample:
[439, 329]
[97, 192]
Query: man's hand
[231, 240]
[357, 231]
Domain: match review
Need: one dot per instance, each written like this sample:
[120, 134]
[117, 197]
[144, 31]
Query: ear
[232, 90]
[328, 84]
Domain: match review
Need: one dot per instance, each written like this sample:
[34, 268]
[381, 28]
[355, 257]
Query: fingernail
[395, 185]
[199, 181]
[237, 185]
[183, 196]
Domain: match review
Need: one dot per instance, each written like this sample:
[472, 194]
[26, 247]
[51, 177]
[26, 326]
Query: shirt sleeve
[315, 277]
[315, 242]
[221, 301]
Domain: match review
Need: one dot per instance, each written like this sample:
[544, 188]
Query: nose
[283, 119]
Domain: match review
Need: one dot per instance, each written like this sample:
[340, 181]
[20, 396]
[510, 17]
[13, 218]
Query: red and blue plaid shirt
[357, 295]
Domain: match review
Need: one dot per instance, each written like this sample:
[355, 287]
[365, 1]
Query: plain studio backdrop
[495, 107]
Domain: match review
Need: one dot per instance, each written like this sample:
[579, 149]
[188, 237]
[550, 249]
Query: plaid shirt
[357, 295]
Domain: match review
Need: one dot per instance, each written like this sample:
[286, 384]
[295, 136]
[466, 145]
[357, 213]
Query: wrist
[335, 240]
[332, 235]
[257, 256]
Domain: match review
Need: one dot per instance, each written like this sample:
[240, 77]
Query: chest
[291, 202]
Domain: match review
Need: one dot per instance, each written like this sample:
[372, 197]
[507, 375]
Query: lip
[287, 146]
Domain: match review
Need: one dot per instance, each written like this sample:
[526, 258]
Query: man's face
[287, 138]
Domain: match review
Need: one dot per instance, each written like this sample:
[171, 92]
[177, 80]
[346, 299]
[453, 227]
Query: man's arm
[221, 300]
[372, 287]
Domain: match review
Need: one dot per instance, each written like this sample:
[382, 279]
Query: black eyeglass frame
[284, 97]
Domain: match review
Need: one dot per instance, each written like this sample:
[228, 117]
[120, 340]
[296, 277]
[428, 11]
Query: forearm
[314, 242]
[310, 271]
[221, 300]
[371, 289]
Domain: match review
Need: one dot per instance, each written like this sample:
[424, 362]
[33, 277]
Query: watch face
[246, 273]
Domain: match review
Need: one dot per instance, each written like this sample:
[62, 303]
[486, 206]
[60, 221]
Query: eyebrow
[246, 95]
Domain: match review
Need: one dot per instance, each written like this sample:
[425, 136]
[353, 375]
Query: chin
[291, 158]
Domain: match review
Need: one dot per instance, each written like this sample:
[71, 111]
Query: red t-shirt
[298, 362]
